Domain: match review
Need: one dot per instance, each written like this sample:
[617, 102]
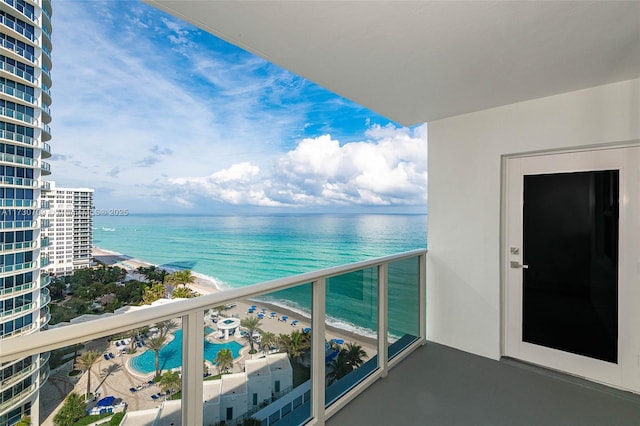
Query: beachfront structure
[70, 231]
[232, 396]
[511, 91]
[25, 80]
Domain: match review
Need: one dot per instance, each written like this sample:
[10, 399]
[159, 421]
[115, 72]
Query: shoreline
[208, 285]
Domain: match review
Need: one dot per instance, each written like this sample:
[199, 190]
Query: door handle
[517, 265]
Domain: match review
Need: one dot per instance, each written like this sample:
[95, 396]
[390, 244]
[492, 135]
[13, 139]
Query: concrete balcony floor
[437, 385]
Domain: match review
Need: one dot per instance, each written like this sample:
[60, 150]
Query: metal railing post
[383, 318]
[192, 361]
[317, 351]
[422, 277]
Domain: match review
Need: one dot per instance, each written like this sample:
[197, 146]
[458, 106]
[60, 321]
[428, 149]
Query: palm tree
[181, 293]
[166, 327]
[252, 324]
[170, 382]
[182, 278]
[73, 408]
[154, 292]
[294, 344]
[339, 367]
[355, 354]
[155, 344]
[85, 362]
[224, 360]
[268, 341]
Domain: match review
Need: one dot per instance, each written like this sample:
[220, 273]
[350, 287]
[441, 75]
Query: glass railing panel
[403, 298]
[269, 374]
[351, 330]
[128, 372]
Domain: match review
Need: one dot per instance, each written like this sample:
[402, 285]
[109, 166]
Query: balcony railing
[17, 71]
[12, 158]
[11, 312]
[11, 113]
[22, 10]
[17, 181]
[12, 202]
[17, 289]
[17, 267]
[19, 50]
[5, 134]
[17, 28]
[17, 93]
[387, 294]
[17, 246]
[15, 224]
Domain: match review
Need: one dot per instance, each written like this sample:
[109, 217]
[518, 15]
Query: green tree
[224, 360]
[339, 367]
[73, 409]
[170, 381]
[268, 340]
[181, 293]
[155, 344]
[85, 362]
[355, 354]
[294, 344]
[181, 278]
[154, 292]
[24, 421]
[252, 324]
[166, 327]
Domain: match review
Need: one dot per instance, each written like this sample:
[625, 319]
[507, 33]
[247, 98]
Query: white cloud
[387, 169]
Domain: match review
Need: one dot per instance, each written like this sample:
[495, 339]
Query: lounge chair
[117, 344]
[154, 397]
[106, 357]
[294, 323]
[111, 356]
[133, 390]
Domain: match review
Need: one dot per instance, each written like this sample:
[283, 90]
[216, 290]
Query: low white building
[231, 396]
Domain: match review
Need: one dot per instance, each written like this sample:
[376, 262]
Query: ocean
[236, 251]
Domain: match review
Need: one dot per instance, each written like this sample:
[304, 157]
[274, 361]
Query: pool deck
[113, 377]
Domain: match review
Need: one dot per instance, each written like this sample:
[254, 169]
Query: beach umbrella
[106, 401]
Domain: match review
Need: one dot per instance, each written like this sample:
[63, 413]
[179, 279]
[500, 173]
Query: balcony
[16, 137]
[22, 53]
[16, 71]
[444, 386]
[17, 159]
[392, 335]
[16, 115]
[45, 168]
[45, 186]
[17, 181]
[46, 150]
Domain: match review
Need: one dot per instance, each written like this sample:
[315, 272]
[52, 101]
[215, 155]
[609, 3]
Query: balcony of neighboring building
[45, 150]
[45, 168]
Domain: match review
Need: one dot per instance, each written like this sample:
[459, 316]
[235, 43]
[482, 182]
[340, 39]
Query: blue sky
[159, 116]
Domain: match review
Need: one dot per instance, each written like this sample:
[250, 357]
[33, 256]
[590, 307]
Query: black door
[570, 246]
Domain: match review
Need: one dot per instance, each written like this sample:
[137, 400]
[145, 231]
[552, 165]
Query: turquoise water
[170, 356]
[240, 250]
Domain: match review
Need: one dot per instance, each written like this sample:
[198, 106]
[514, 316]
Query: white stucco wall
[463, 272]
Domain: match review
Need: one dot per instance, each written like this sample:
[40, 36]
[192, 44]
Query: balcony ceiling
[421, 61]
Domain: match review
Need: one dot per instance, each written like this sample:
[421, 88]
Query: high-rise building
[68, 239]
[25, 80]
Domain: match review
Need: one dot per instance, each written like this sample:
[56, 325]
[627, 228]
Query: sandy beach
[205, 286]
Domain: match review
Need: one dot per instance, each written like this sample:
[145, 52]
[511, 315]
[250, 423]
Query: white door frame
[625, 374]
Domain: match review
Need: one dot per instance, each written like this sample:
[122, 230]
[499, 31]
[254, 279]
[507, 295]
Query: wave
[104, 228]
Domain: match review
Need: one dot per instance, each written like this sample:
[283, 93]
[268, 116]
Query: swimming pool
[170, 356]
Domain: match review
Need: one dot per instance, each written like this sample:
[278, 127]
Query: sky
[160, 117]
